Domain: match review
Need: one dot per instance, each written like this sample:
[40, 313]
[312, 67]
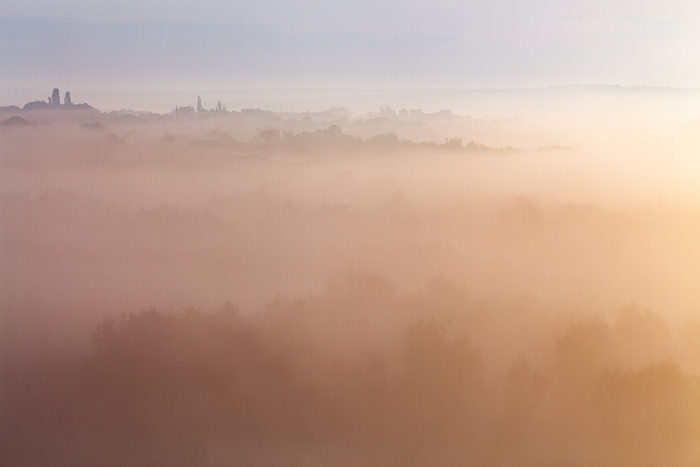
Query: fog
[394, 286]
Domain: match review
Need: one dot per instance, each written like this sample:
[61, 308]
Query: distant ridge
[618, 87]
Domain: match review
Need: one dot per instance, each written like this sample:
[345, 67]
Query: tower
[55, 98]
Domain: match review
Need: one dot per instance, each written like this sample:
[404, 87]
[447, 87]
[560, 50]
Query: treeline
[360, 376]
[275, 140]
[334, 139]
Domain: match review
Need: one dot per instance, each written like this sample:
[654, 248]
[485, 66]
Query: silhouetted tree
[649, 416]
[442, 382]
[16, 121]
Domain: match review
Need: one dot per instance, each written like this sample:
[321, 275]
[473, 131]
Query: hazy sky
[155, 44]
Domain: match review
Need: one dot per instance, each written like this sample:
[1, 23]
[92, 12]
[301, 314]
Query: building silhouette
[55, 98]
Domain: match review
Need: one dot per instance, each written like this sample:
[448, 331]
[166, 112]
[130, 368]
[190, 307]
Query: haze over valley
[349, 234]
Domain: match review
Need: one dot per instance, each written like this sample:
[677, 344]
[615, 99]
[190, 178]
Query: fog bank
[394, 287]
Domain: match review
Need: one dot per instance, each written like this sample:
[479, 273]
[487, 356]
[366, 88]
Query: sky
[380, 44]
